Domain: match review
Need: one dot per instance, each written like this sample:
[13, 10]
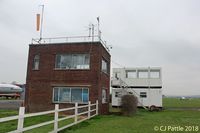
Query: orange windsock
[38, 22]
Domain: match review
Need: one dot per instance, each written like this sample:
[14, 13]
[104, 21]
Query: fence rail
[22, 116]
[71, 39]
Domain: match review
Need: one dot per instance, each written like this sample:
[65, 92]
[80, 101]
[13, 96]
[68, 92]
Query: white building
[144, 83]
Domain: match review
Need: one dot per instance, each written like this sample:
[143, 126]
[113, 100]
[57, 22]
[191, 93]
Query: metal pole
[98, 28]
[41, 22]
[92, 32]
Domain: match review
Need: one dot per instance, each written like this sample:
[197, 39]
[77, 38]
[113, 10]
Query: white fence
[22, 115]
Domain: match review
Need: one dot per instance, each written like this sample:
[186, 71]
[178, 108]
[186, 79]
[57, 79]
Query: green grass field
[142, 122]
[177, 103]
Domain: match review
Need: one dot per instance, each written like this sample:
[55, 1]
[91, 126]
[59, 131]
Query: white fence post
[89, 108]
[21, 119]
[56, 118]
[97, 107]
[76, 113]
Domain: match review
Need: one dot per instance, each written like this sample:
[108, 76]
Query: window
[117, 75]
[142, 73]
[104, 96]
[131, 74]
[70, 94]
[72, 61]
[118, 94]
[154, 73]
[36, 62]
[143, 94]
[104, 66]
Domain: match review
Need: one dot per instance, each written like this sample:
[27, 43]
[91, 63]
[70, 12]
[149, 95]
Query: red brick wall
[40, 83]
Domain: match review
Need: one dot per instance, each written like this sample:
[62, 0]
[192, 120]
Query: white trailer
[144, 83]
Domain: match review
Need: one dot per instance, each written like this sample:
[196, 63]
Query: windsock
[37, 22]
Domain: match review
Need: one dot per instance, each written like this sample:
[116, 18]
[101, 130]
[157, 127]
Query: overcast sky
[162, 33]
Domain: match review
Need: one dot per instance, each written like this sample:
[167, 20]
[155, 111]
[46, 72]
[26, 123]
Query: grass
[12, 125]
[177, 103]
[142, 122]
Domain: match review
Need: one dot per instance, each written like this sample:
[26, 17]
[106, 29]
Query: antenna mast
[98, 28]
[41, 22]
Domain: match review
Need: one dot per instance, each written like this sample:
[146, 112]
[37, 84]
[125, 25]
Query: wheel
[153, 108]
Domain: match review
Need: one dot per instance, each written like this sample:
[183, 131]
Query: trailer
[144, 83]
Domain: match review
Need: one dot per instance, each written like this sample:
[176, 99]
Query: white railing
[71, 39]
[22, 116]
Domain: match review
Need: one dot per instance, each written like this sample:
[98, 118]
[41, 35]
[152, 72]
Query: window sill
[70, 102]
[57, 69]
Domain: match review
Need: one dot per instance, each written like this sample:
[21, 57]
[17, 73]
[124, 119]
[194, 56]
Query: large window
[36, 62]
[70, 94]
[142, 73]
[131, 74]
[104, 66]
[72, 61]
[154, 73]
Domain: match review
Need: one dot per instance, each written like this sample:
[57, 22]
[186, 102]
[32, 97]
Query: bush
[129, 105]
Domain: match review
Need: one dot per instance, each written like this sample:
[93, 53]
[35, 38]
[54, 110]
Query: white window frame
[59, 87]
[144, 95]
[131, 71]
[72, 61]
[139, 71]
[104, 100]
[36, 59]
[104, 62]
[155, 71]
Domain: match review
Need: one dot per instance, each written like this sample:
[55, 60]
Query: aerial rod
[98, 28]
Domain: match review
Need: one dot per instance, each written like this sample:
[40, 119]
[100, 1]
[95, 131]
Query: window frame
[144, 95]
[138, 74]
[107, 66]
[72, 60]
[36, 60]
[154, 71]
[131, 71]
[106, 97]
[59, 87]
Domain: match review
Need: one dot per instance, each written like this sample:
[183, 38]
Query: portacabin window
[117, 75]
[142, 73]
[104, 66]
[36, 62]
[143, 94]
[118, 94]
[154, 73]
[70, 94]
[131, 74]
[72, 61]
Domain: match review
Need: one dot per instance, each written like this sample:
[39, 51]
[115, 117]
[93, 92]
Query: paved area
[10, 104]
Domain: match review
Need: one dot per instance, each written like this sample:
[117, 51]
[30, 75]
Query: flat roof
[69, 40]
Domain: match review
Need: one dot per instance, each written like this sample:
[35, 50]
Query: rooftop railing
[71, 39]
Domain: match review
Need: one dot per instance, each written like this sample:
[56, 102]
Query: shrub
[129, 105]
